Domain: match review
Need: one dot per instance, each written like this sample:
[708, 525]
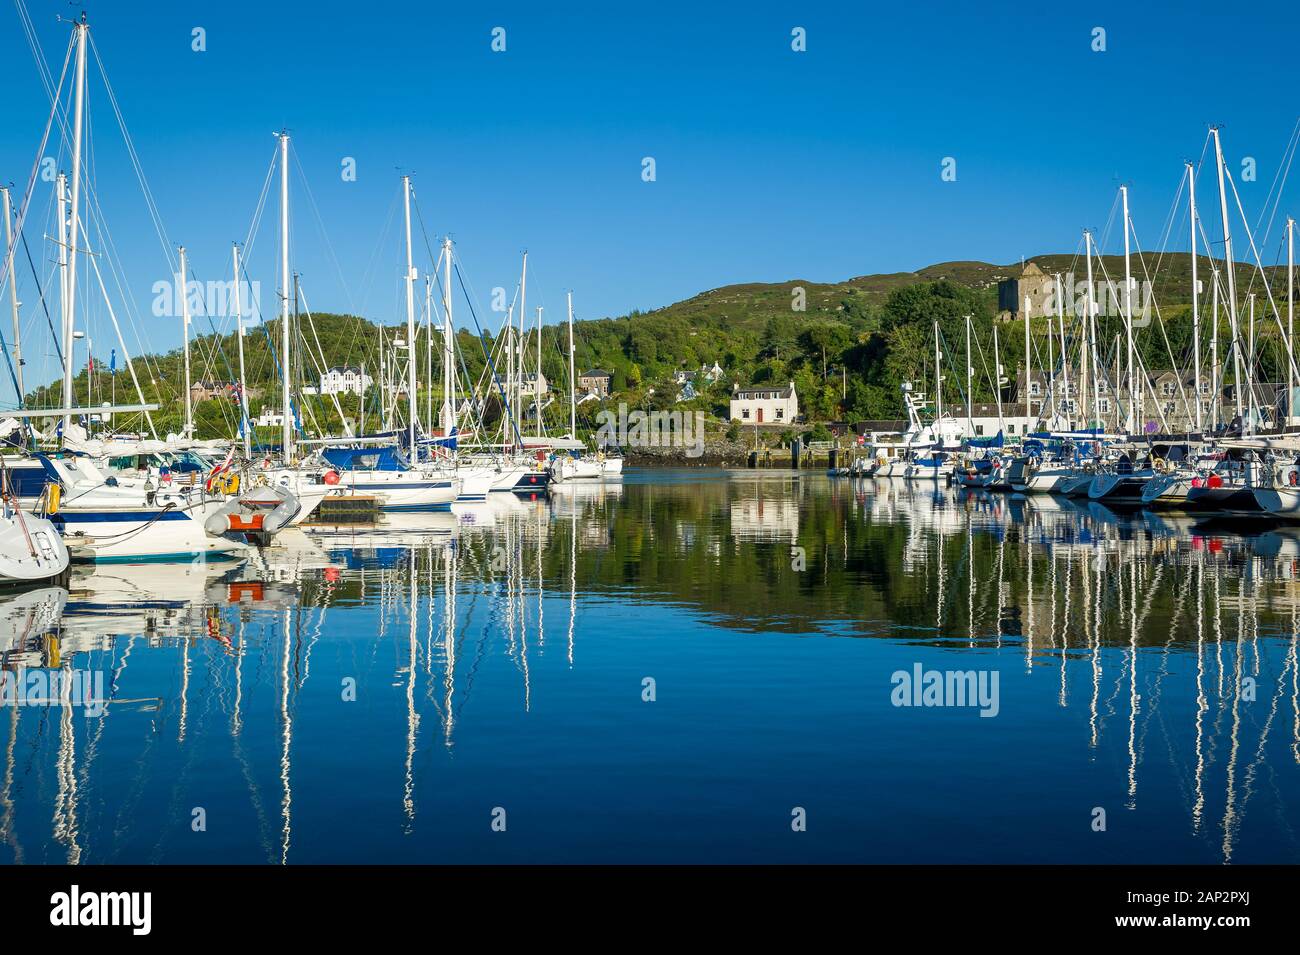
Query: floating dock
[347, 509]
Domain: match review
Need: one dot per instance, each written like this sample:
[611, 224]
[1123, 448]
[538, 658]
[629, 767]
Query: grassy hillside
[846, 345]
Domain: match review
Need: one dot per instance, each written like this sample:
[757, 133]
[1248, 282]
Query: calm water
[383, 695]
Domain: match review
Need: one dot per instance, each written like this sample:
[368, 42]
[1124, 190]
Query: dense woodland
[846, 346]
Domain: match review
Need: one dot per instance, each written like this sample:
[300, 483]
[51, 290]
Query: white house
[269, 419]
[345, 379]
[769, 405]
[985, 422]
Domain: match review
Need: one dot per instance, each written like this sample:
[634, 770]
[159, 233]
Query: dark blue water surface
[385, 694]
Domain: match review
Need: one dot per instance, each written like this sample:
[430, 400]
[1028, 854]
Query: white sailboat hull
[148, 533]
[31, 549]
[567, 469]
[476, 482]
[403, 490]
[1279, 501]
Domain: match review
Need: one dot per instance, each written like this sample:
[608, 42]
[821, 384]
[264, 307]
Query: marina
[499, 651]
[528, 442]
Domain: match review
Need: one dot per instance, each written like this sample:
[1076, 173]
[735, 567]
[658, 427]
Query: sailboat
[399, 483]
[100, 516]
[567, 465]
[31, 548]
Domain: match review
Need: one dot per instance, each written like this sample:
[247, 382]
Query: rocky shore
[718, 452]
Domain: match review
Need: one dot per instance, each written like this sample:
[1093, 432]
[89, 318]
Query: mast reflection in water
[667, 669]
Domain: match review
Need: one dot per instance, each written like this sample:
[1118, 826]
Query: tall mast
[1128, 316]
[70, 316]
[61, 200]
[1051, 366]
[523, 314]
[1196, 292]
[448, 345]
[511, 409]
[183, 285]
[428, 353]
[1087, 327]
[286, 430]
[997, 374]
[1250, 358]
[573, 410]
[537, 384]
[246, 427]
[11, 251]
[1131, 397]
[938, 387]
[970, 372]
[412, 402]
[1291, 307]
[1229, 267]
[1215, 371]
[1029, 365]
[1065, 356]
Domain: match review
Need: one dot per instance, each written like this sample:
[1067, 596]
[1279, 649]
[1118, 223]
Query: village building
[764, 405]
[534, 385]
[345, 379]
[204, 390]
[1032, 282]
[1166, 401]
[711, 373]
[595, 381]
[269, 418]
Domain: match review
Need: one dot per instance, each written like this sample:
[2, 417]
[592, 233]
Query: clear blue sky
[771, 164]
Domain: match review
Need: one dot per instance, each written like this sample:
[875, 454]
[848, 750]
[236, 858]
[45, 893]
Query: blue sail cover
[447, 443]
[994, 442]
[365, 459]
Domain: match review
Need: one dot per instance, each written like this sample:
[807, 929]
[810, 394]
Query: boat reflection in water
[619, 667]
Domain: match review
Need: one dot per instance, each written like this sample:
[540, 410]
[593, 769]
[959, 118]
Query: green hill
[846, 345]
